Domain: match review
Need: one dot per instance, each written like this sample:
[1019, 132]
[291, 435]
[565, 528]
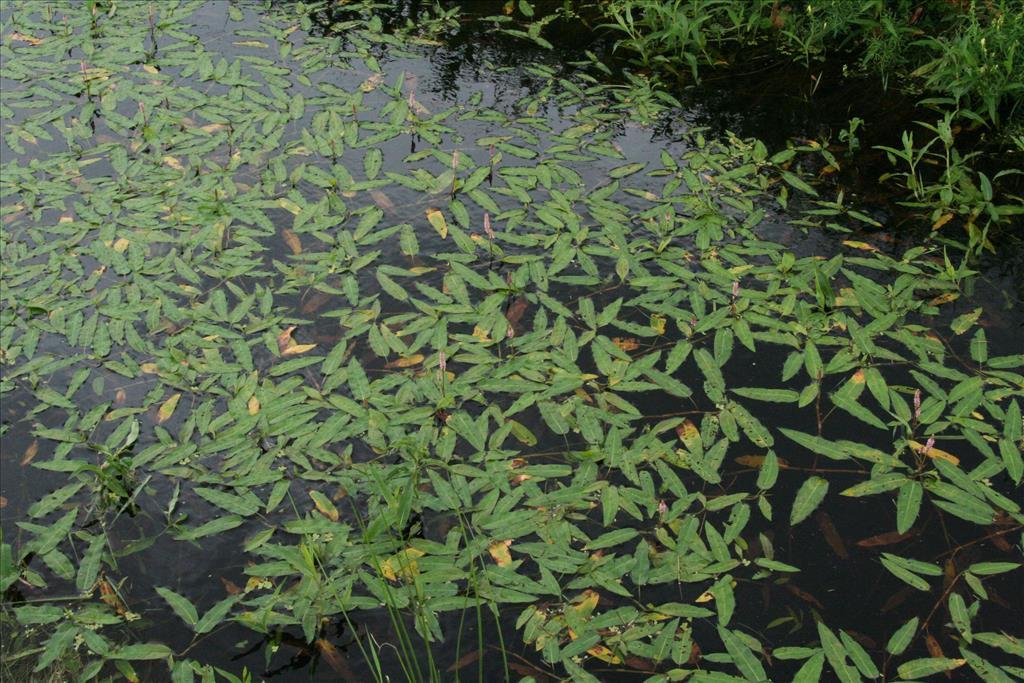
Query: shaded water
[841, 581]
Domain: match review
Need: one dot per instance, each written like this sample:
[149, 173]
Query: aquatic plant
[465, 383]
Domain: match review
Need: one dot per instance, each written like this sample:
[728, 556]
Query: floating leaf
[808, 497]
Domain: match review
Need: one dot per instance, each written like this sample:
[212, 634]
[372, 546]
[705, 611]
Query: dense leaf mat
[500, 361]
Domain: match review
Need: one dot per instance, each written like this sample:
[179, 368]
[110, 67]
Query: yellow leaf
[406, 362]
[173, 163]
[945, 298]
[25, 39]
[150, 368]
[706, 596]
[372, 82]
[292, 240]
[167, 409]
[658, 323]
[860, 245]
[296, 349]
[499, 550]
[30, 452]
[933, 452]
[121, 245]
[858, 377]
[254, 405]
[150, 69]
[943, 219]
[213, 128]
[481, 334]
[604, 654]
[289, 206]
[250, 43]
[401, 564]
[436, 219]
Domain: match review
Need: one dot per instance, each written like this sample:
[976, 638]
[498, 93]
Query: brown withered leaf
[30, 452]
[626, 343]
[284, 340]
[23, 38]
[315, 302]
[335, 659]
[465, 660]
[382, 200]
[758, 461]
[804, 595]
[888, 538]
[3, 502]
[292, 240]
[832, 537]
[110, 596]
[516, 309]
[230, 586]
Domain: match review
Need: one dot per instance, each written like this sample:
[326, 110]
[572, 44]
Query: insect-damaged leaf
[808, 497]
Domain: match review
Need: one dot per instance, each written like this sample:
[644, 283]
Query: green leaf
[764, 394]
[919, 668]
[902, 637]
[744, 659]
[908, 504]
[961, 617]
[810, 672]
[808, 497]
[180, 604]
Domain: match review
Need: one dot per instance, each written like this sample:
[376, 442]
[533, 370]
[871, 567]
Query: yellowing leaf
[658, 323]
[858, 377]
[436, 219]
[604, 654]
[173, 163]
[289, 206]
[150, 69]
[167, 409]
[943, 219]
[933, 452]
[292, 240]
[250, 43]
[121, 245]
[406, 362]
[324, 505]
[284, 340]
[372, 82]
[499, 550]
[860, 245]
[296, 349]
[254, 405]
[401, 564]
[30, 452]
[21, 37]
[481, 334]
[150, 368]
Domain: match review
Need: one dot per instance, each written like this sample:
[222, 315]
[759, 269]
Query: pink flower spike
[735, 289]
[487, 225]
[928, 445]
[917, 404]
[455, 159]
[662, 508]
[442, 361]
